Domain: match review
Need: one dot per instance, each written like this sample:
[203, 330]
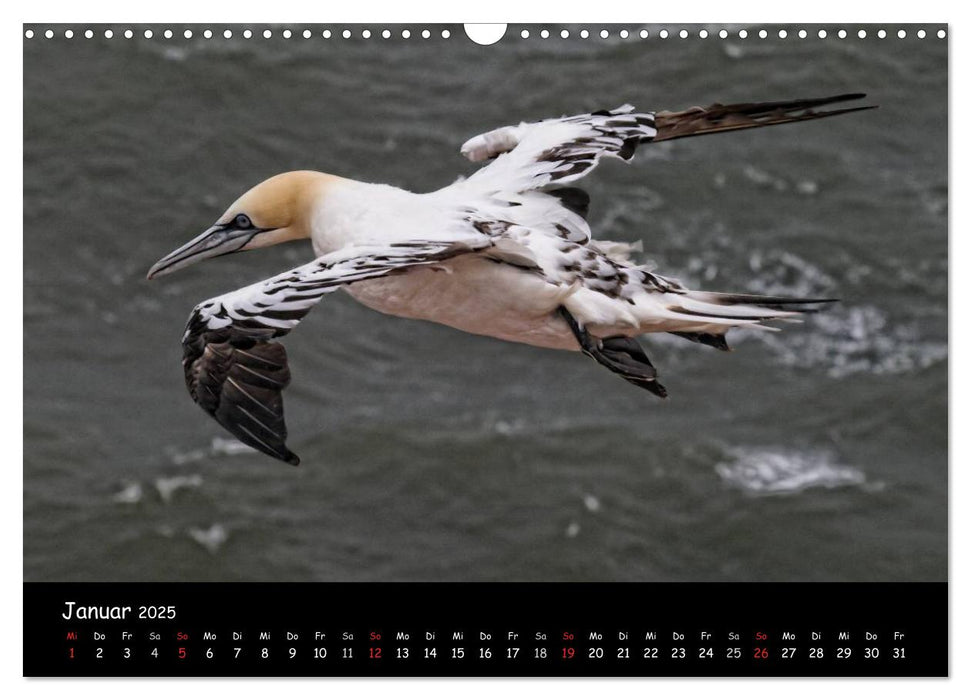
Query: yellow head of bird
[275, 211]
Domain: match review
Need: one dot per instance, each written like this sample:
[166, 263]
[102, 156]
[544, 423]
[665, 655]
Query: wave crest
[779, 472]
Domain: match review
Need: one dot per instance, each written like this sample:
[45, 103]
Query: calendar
[329, 630]
[514, 350]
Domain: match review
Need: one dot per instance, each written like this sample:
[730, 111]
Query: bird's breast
[476, 295]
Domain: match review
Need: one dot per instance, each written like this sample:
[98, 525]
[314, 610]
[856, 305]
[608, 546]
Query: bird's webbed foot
[619, 354]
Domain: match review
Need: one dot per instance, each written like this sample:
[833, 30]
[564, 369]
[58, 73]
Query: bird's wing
[558, 151]
[233, 368]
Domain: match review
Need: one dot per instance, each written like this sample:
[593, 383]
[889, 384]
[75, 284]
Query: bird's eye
[243, 221]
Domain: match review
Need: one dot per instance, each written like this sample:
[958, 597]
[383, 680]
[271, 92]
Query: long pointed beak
[218, 240]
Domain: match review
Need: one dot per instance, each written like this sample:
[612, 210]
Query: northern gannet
[506, 252]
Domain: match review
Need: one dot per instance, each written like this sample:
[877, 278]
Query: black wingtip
[291, 458]
[854, 96]
[848, 96]
[847, 110]
[719, 118]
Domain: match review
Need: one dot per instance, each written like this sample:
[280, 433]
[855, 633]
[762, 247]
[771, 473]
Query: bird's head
[275, 211]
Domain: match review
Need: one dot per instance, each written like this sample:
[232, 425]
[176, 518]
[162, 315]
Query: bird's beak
[221, 239]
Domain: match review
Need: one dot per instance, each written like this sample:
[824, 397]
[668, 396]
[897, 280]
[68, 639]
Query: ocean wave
[624, 217]
[219, 447]
[782, 472]
[842, 339]
[131, 493]
[765, 179]
[856, 339]
[167, 486]
[211, 538]
[782, 272]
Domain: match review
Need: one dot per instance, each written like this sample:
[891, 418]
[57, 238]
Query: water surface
[819, 453]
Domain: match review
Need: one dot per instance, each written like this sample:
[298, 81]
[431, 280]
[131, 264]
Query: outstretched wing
[558, 151]
[233, 368]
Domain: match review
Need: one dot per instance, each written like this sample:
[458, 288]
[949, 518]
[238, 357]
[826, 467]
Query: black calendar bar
[479, 629]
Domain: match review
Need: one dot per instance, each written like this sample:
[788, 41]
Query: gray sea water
[819, 453]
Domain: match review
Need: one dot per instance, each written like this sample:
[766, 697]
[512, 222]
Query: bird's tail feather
[754, 304]
[698, 121]
[707, 316]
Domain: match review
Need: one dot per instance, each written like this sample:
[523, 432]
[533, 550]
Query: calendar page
[547, 356]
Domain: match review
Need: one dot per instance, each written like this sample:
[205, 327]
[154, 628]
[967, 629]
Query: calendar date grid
[377, 646]
[484, 629]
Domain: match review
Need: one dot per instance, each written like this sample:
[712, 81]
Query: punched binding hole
[485, 34]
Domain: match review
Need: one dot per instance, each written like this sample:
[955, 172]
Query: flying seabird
[506, 252]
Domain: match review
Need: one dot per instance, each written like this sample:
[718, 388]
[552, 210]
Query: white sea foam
[733, 50]
[780, 471]
[782, 272]
[764, 178]
[850, 340]
[218, 447]
[180, 458]
[224, 446]
[167, 486]
[132, 493]
[175, 53]
[591, 502]
[211, 538]
[843, 339]
[513, 427]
